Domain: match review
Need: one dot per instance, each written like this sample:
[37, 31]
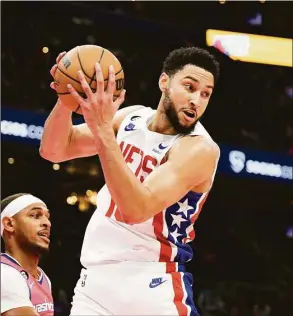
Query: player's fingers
[120, 99]
[100, 80]
[53, 85]
[76, 95]
[59, 57]
[85, 86]
[111, 82]
[53, 70]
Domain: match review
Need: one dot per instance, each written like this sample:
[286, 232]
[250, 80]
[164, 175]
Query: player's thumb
[120, 99]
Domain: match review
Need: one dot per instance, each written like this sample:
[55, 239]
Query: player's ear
[8, 224]
[163, 81]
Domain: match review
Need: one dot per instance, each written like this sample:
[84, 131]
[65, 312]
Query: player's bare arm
[62, 141]
[24, 311]
[190, 164]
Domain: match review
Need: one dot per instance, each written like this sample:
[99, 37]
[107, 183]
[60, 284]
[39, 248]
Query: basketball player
[159, 167]
[25, 228]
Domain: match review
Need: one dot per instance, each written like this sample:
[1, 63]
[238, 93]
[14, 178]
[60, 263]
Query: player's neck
[161, 124]
[27, 260]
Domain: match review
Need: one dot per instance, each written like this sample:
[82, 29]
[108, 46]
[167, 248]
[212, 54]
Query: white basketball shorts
[134, 288]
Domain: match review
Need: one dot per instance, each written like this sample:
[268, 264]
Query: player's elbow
[50, 156]
[138, 211]
[132, 219]
[135, 216]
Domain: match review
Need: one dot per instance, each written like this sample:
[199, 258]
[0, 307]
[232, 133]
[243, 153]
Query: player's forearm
[56, 134]
[24, 311]
[129, 194]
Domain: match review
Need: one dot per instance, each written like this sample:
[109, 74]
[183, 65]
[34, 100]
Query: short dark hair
[178, 58]
[9, 199]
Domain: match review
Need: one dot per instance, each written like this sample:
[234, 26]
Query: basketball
[84, 58]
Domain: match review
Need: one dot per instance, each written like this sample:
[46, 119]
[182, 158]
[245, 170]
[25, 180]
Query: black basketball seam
[62, 93]
[82, 94]
[101, 55]
[115, 75]
[118, 72]
[78, 57]
[65, 74]
[93, 77]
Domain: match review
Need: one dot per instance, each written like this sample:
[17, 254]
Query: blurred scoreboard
[252, 48]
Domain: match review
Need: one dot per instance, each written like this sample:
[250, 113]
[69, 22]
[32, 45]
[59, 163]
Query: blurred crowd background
[243, 262]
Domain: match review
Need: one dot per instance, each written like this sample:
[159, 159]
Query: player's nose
[46, 223]
[195, 100]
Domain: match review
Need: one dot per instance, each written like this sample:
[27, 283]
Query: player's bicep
[166, 185]
[81, 142]
[184, 170]
[24, 311]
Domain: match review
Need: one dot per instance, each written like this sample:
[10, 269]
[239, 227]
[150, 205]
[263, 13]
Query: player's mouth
[45, 235]
[189, 115]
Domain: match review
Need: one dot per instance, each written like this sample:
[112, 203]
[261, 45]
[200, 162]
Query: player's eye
[206, 94]
[188, 86]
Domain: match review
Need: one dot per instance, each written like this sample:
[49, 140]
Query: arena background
[243, 245]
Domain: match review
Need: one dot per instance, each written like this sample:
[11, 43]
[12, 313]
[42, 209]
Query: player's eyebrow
[197, 81]
[36, 208]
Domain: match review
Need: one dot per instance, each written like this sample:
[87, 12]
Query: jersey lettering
[124, 149]
[149, 163]
[146, 164]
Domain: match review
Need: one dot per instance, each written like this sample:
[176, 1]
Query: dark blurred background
[243, 262]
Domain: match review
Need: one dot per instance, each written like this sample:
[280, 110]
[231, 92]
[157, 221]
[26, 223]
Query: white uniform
[138, 269]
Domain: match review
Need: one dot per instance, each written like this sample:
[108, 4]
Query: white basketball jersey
[163, 238]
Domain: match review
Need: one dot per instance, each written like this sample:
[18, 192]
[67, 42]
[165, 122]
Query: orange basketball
[84, 58]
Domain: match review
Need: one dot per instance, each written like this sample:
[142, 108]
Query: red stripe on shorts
[111, 209]
[179, 294]
[171, 267]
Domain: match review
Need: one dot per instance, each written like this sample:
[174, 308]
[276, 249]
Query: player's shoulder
[126, 111]
[199, 138]
[13, 276]
[192, 147]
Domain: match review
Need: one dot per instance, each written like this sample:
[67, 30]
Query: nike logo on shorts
[156, 282]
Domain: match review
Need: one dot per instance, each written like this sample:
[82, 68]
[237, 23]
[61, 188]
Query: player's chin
[43, 244]
[43, 248]
[187, 123]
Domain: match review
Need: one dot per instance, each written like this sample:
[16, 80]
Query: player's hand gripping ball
[84, 58]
